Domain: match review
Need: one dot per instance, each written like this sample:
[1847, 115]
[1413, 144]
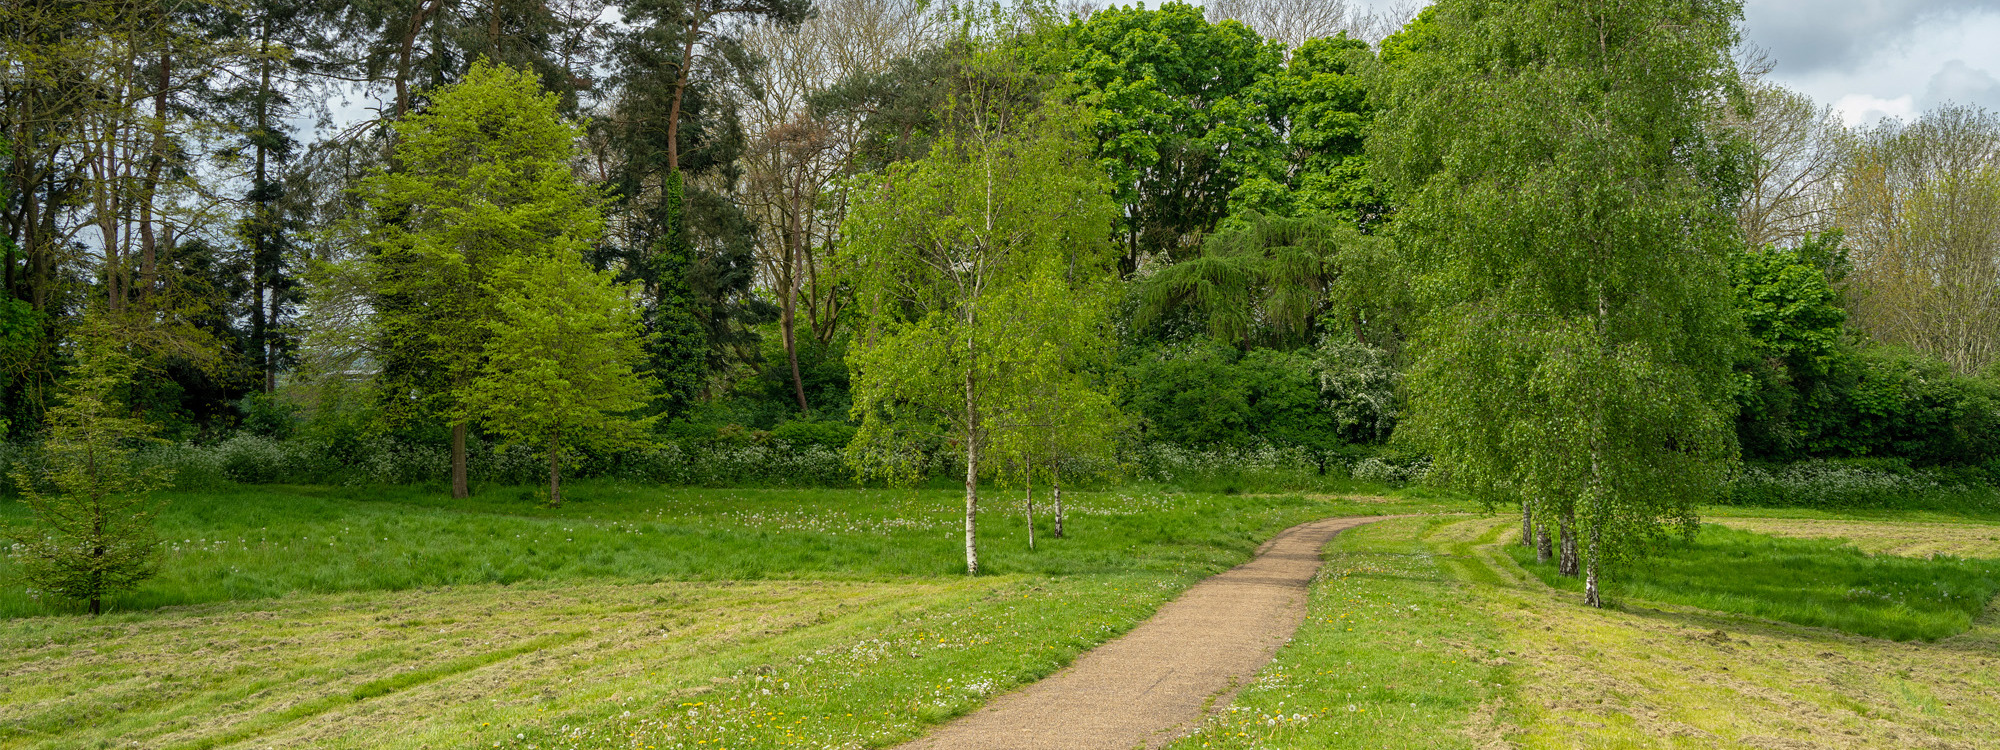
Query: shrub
[1863, 484]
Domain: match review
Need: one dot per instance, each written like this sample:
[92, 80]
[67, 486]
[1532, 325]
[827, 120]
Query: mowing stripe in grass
[376, 689]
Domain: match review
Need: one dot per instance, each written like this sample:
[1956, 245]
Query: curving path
[1156, 682]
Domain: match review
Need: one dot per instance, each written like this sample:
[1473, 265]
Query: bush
[1854, 484]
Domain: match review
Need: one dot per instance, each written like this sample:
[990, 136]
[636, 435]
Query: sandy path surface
[1157, 682]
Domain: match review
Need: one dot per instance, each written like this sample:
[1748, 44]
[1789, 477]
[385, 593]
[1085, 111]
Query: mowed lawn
[1427, 633]
[631, 617]
[647, 618]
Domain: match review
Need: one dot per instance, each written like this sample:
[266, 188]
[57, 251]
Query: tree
[1799, 147]
[932, 248]
[796, 156]
[560, 352]
[485, 180]
[1564, 205]
[1296, 23]
[1178, 124]
[1279, 281]
[1052, 402]
[1318, 105]
[93, 534]
[1920, 205]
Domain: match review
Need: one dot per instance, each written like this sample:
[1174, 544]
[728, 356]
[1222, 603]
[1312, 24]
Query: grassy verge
[1340, 684]
[1813, 582]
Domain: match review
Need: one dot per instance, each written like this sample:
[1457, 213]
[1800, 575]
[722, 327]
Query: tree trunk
[1544, 546]
[1031, 505]
[555, 470]
[971, 495]
[786, 332]
[1055, 482]
[1590, 594]
[459, 489]
[1567, 565]
[1527, 524]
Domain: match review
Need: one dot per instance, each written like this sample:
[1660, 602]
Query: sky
[1872, 59]
[1882, 58]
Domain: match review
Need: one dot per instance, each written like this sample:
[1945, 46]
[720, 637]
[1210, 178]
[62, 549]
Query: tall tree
[669, 150]
[796, 156]
[485, 180]
[1566, 208]
[1799, 147]
[1178, 125]
[933, 248]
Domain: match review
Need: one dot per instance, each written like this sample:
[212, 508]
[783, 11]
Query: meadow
[640, 617]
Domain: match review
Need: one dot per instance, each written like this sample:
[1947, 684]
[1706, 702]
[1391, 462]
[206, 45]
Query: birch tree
[1565, 207]
[933, 248]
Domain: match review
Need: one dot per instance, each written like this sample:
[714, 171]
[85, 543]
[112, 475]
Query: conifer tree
[93, 532]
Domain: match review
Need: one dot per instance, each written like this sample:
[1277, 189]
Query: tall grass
[247, 542]
[1805, 581]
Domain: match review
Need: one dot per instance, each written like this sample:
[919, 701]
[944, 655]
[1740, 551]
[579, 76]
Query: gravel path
[1156, 682]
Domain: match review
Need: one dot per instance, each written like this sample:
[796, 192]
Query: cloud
[1808, 36]
[1862, 109]
[1963, 84]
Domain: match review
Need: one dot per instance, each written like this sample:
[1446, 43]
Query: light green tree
[93, 532]
[558, 373]
[1567, 212]
[1054, 406]
[483, 176]
[933, 248]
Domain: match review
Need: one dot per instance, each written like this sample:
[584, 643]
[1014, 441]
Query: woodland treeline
[1271, 220]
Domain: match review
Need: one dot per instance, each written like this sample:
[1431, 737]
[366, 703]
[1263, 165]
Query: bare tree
[1799, 147]
[1920, 203]
[1294, 22]
[796, 157]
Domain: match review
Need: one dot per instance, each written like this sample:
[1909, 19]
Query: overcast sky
[1876, 58]
[1882, 58]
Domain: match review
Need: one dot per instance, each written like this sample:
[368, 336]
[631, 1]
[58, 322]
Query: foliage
[1276, 281]
[1921, 205]
[1810, 582]
[1208, 395]
[482, 181]
[1178, 123]
[1563, 210]
[1865, 484]
[92, 533]
[559, 360]
[1319, 104]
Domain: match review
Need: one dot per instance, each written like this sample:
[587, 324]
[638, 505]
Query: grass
[647, 618]
[631, 617]
[259, 542]
[1815, 582]
[1335, 686]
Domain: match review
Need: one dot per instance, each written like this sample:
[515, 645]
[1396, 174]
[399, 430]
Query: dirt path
[1155, 683]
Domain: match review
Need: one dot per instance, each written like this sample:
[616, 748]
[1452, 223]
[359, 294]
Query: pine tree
[93, 533]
